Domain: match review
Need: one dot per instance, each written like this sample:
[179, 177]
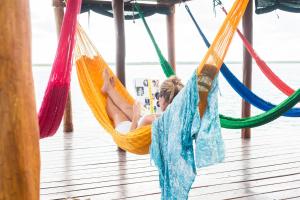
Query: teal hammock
[229, 122]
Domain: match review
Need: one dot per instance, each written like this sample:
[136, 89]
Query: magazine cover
[147, 93]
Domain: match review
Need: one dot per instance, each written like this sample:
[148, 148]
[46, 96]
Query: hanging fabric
[238, 86]
[90, 66]
[166, 66]
[172, 148]
[277, 82]
[242, 90]
[55, 98]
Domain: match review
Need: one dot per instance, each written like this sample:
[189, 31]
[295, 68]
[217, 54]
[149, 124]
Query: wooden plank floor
[87, 165]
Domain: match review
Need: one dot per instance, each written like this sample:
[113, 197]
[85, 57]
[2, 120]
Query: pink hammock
[282, 86]
[54, 101]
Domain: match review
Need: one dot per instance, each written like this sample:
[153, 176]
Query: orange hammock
[90, 65]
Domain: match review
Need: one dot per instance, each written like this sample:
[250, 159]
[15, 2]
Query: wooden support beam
[59, 15]
[68, 122]
[247, 63]
[118, 11]
[171, 37]
[19, 132]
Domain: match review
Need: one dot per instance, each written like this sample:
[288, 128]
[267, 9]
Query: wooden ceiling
[148, 6]
[58, 3]
[162, 2]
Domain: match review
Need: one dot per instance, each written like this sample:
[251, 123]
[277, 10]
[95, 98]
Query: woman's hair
[170, 88]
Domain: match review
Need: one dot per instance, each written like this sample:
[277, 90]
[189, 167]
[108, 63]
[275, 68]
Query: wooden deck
[87, 165]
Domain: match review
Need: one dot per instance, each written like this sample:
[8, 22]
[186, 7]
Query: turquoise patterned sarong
[173, 134]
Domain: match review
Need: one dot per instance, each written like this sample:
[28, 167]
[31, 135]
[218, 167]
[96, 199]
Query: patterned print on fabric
[172, 140]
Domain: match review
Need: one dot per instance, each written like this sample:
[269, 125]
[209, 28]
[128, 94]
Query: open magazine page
[147, 93]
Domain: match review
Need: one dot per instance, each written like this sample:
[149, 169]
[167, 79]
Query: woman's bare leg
[114, 113]
[118, 100]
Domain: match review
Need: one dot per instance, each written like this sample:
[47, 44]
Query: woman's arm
[148, 119]
[134, 124]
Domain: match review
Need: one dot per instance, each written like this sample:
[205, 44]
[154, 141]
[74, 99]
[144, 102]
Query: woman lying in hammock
[128, 117]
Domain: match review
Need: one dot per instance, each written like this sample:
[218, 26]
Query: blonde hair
[170, 88]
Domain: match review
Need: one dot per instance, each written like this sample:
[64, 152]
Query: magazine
[147, 93]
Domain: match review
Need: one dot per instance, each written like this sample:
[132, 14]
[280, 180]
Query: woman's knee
[147, 120]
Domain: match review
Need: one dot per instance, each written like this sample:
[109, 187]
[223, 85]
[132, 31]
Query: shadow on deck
[87, 165]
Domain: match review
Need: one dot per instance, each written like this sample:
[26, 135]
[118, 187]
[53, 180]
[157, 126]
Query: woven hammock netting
[90, 65]
[56, 94]
[239, 87]
[265, 6]
[243, 91]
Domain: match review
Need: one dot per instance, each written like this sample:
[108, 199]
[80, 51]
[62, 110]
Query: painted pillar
[171, 37]
[59, 15]
[118, 11]
[19, 132]
[247, 63]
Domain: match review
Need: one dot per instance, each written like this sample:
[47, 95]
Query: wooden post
[19, 132]
[171, 37]
[247, 63]
[59, 15]
[118, 10]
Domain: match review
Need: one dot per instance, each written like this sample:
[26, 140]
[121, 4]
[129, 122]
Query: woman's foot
[112, 81]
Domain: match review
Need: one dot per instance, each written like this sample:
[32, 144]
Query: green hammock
[166, 66]
[266, 117]
[230, 122]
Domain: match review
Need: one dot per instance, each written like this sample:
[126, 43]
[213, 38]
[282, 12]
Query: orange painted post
[118, 11]
[19, 134]
[59, 15]
[171, 37]
[247, 63]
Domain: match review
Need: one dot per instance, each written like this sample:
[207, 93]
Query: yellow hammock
[90, 65]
